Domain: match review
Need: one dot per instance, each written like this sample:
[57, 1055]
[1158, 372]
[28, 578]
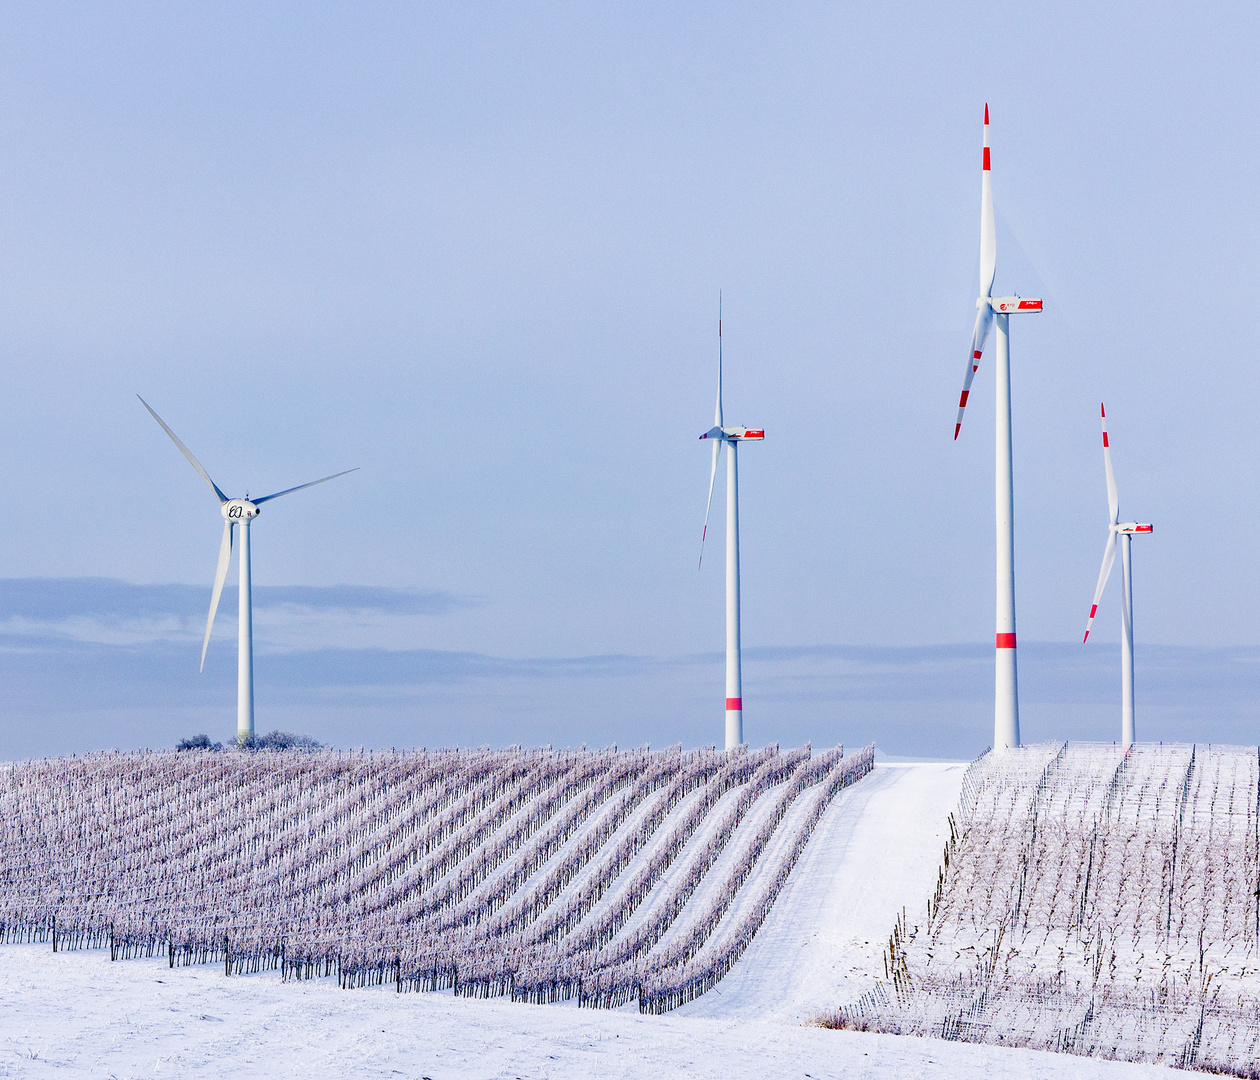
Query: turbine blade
[980, 335]
[186, 452]
[717, 409]
[1109, 557]
[289, 491]
[220, 575]
[988, 234]
[1113, 499]
[717, 447]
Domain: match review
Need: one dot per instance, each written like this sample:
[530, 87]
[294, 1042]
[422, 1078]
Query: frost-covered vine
[606, 876]
[1094, 900]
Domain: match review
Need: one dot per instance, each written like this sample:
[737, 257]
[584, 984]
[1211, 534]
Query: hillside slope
[1098, 901]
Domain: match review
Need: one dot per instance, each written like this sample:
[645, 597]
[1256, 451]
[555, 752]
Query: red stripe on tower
[734, 704]
[1006, 641]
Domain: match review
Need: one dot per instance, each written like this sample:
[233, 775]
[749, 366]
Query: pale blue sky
[477, 253]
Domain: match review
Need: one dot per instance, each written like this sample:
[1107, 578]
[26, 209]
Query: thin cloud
[51, 600]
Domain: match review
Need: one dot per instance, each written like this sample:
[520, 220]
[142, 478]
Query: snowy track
[876, 850]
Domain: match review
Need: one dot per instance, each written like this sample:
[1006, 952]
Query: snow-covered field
[875, 851]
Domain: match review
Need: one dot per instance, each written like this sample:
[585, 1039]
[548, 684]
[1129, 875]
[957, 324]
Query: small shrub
[198, 742]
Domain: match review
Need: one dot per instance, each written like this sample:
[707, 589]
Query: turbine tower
[1126, 531]
[236, 512]
[998, 309]
[731, 437]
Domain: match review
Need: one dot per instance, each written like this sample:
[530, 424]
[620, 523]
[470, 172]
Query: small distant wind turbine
[998, 309]
[236, 512]
[731, 437]
[1126, 531]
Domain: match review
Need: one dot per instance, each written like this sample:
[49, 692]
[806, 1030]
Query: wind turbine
[1126, 531]
[236, 512]
[998, 309]
[731, 437]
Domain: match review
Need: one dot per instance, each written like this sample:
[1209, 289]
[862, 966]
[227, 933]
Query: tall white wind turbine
[1126, 531]
[236, 512]
[998, 309]
[731, 437]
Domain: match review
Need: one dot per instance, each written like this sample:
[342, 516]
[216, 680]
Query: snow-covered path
[876, 850]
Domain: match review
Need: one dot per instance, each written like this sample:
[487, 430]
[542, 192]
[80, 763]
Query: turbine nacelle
[239, 510]
[1009, 305]
[1132, 528]
[735, 434]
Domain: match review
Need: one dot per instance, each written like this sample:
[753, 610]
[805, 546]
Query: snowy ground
[876, 851]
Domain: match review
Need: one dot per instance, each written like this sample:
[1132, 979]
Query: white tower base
[245, 647]
[734, 681]
[1006, 689]
[1126, 646]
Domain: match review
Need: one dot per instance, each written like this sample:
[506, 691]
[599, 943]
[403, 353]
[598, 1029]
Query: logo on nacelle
[240, 510]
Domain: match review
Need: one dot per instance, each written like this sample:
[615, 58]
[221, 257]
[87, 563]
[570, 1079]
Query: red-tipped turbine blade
[1113, 499]
[1109, 557]
[988, 231]
[984, 320]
